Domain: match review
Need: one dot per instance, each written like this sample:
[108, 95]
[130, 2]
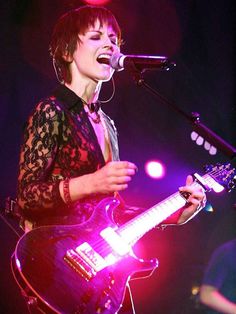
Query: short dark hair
[65, 34]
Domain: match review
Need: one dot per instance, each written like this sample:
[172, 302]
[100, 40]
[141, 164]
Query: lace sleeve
[37, 188]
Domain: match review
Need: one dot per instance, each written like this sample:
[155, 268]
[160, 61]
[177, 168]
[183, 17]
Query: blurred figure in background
[218, 289]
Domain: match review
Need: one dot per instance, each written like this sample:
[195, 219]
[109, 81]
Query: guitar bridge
[85, 261]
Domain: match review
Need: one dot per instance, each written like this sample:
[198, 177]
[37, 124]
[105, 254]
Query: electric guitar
[85, 268]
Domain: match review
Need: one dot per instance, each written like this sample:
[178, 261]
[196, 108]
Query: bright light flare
[155, 169]
[96, 2]
[195, 290]
[115, 241]
[18, 264]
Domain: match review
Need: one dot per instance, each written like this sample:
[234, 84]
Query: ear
[67, 57]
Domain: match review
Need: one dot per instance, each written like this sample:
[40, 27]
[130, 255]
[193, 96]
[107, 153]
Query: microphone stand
[194, 118]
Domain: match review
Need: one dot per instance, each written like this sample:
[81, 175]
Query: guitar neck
[133, 230]
[140, 225]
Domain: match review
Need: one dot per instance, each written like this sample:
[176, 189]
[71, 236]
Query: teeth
[103, 58]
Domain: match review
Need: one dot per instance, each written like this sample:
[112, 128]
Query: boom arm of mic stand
[199, 127]
[212, 137]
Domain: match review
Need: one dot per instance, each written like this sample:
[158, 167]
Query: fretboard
[133, 230]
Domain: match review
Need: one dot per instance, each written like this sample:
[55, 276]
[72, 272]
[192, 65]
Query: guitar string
[149, 213]
[100, 244]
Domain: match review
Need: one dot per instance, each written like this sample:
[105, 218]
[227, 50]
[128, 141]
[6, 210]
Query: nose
[108, 43]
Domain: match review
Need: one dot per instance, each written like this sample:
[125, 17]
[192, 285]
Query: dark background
[199, 36]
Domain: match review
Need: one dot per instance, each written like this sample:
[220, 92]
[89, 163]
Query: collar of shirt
[69, 99]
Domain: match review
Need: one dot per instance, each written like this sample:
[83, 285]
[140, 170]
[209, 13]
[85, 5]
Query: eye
[114, 40]
[95, 37]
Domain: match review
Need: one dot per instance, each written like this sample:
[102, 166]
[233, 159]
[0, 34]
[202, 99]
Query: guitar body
[84, 269]
[43, 267]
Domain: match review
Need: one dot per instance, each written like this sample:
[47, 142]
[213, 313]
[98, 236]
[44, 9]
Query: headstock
[224, 174]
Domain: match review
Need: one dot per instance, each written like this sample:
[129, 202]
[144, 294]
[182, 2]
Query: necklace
[93, 111]
[100, 128]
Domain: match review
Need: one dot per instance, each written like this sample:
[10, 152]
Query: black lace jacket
[59, 142]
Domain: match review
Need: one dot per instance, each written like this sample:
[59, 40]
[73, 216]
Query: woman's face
[97, 42]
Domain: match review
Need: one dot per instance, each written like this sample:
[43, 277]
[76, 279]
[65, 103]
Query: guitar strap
[9, 216]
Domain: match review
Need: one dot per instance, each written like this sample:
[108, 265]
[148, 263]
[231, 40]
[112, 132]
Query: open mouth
[104, 59]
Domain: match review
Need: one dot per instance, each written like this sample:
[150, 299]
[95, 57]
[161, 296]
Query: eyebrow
[100, 32]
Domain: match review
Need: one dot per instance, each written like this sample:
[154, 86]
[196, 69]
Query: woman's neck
[87, 90]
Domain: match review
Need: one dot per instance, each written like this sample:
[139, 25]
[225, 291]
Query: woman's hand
[195, 201]
[113, 177]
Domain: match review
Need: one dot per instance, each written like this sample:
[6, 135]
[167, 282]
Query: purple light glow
[96, 2]
[155, 169]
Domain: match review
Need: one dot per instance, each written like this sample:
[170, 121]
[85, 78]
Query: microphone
[120, 62]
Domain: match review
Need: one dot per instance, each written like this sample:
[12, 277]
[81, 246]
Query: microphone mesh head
[114, 61]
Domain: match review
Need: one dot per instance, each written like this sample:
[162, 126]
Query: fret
[133, 230]
[138, 226]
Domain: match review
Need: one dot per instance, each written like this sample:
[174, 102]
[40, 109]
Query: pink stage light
[155, 169]
[97, 2]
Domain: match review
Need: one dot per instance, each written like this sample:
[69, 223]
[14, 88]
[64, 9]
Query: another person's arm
[218, 286]
[212, 298]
